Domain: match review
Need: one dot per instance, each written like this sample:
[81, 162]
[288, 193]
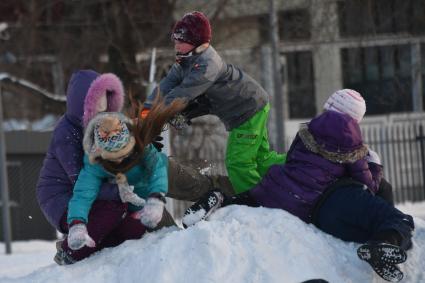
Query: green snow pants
[248, 154]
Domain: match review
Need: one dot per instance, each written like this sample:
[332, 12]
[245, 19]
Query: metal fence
[399, 141]
[402, 150]
[25, 153]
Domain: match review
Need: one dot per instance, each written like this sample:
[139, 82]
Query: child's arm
[85, 191]
[173, 79]
[158, 181]
[69, 152]
[188, 87]
[361, 172]
[152, 211]
[195, 83]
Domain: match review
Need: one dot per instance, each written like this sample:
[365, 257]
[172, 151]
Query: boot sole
[382, 252]
[383, 259]
[388, 272]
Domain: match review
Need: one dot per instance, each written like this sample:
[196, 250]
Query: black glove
[179, 122]
[196, 108]
[157, 143]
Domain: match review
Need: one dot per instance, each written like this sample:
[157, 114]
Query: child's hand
[78, 237]
[151, 213]
[127, 192]
[373, 157]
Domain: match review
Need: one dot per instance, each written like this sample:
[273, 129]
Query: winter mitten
[373, 157]
[151, 213]
[203, 208]
[127, 192]
[78, 237]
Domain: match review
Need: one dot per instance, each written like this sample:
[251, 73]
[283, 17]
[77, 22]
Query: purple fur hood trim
[99, 87]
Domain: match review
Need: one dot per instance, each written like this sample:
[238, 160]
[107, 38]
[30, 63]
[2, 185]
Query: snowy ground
[238, 244]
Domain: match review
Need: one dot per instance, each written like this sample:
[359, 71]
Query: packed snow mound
[237, 244]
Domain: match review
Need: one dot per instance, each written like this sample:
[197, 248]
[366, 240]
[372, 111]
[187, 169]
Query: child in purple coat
[89, 93]
[329, 179]
[63, 163]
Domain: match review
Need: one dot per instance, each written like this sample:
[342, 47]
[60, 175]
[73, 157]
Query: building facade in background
[374, 46]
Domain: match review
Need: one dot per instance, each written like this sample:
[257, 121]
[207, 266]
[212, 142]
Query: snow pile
[413, 208]
[237, 244]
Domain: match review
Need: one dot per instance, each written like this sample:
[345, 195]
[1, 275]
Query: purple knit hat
[107, 86]
[194, 28]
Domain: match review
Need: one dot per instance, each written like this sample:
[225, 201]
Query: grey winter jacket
[226, 91]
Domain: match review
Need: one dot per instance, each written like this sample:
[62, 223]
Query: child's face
[111, 129]
[182, 47]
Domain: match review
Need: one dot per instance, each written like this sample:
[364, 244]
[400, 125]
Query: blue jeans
[352, 214]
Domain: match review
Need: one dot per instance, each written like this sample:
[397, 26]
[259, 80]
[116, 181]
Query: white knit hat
[347, 101]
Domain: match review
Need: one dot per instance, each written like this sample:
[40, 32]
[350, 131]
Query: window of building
[293, 25]
[382, 74]
[300, 85]
[368, 17]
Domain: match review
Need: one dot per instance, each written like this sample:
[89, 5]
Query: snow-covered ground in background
[237, 244]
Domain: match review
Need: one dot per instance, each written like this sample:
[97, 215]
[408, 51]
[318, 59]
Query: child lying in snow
[329, 179]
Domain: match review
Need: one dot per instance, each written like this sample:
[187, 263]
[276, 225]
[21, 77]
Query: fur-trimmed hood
[77, 89]
[108, 85]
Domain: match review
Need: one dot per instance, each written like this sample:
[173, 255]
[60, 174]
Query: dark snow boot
[203, 208]
[61, 257]
[383, 258]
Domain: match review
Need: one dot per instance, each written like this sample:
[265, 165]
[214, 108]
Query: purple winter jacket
[64, 158]
[328, 148]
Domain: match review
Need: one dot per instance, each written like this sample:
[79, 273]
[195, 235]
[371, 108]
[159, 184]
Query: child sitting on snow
[114, 147]
[311, 185]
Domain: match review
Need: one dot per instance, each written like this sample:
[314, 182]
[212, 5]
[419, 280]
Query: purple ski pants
[109, 225]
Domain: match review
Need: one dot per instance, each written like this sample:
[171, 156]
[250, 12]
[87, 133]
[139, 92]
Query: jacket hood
[76, 93]
[336, 132]
[106, 85]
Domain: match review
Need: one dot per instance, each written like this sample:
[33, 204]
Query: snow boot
[61, 257]
[203, 208]
[383, 258]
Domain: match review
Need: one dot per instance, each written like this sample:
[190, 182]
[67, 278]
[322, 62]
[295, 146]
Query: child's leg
[266, 157]
[104, 217]
[353, 214]
[129, 229]
[242, 151]
[186, 183]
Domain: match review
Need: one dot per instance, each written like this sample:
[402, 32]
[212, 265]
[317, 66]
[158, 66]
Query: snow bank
[237, 244]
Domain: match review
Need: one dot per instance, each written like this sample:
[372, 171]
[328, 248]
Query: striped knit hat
[347, 101]
[108, 136]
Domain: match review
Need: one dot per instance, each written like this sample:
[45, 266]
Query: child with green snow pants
[210, 86]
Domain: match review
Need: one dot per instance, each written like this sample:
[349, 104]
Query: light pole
[279, 99]
[7, 235]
